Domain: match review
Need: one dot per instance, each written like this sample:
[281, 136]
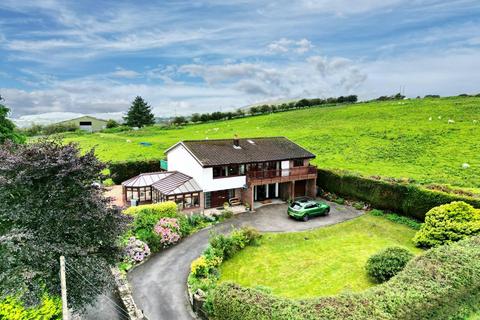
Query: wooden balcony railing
[281, 173]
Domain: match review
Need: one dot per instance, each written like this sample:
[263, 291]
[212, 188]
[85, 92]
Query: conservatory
[162, 186]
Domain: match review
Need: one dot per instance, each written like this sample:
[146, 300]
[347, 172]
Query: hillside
[409, 138]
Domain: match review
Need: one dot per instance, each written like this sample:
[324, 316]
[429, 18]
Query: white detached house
[205, 174]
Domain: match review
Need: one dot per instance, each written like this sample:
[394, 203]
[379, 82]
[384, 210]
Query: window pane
[188, 201]
[208, 198]
[298, 162]
[196, 200]
[233, 170]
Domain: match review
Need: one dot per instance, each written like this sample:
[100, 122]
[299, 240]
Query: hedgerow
[406, 198]
[124, 170]
[439, 284]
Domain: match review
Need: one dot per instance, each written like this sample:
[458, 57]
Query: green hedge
[407, 199]
[121, 171]
[443, 283]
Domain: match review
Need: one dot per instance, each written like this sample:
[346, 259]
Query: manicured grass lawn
[321, 262]
[390, 139]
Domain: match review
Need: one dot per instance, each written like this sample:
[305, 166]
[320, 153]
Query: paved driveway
[159, 285]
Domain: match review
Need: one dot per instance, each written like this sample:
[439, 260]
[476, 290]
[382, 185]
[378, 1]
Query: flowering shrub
[199, 267]
[168, 230]
[136, 250]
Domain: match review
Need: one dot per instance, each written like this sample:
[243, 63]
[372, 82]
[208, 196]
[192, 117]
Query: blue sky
[61, 58]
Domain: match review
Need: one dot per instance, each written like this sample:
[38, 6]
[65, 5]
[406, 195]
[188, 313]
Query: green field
[390, 139]
[321, 262]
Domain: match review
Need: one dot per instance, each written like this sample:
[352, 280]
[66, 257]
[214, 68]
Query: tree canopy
[49, 206]
[7, 127]
[140, 114]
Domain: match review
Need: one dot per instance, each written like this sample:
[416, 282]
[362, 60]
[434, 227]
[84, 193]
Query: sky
[61, 59]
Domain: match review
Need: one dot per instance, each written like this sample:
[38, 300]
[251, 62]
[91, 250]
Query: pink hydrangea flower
[168, 230]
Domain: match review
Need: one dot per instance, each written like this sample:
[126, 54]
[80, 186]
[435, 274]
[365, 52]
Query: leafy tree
[195, 118]
[112, 124]
[50, 207]
[140, 114]
[265, 108]
[217, 115]
[179, 120]
[254, 110]
[205, 117]
[7, 128]
[239, 113]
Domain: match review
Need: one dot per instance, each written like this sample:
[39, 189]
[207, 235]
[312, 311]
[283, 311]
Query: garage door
[300, 188]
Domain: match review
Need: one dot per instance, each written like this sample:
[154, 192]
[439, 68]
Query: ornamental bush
[50, 308]
[168, 230]
[387, 263]
[448, 223]
[136, 250]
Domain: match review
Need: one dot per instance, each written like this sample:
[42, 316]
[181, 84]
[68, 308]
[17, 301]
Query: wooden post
[63, 285]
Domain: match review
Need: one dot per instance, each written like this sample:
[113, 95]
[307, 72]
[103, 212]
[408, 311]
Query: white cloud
[448, 73]
[123, 73]
[224, 86]
[285, 45]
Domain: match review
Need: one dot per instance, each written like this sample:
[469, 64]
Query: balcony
[281, 175]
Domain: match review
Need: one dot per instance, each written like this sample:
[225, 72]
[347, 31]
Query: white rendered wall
[179, 159]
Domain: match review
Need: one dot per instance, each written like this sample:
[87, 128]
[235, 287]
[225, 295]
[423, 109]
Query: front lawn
[321, 262]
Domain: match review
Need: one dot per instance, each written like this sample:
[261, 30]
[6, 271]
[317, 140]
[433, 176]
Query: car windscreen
[296, 206]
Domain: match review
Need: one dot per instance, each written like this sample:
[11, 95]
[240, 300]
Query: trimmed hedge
[121, 171]
[408, 199]
[443, 283]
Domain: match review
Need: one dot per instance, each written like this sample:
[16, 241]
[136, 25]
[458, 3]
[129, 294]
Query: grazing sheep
[129, 141]
[475, 121]
[440, 117]
[465, 166]
[451, 121]
[430, 119]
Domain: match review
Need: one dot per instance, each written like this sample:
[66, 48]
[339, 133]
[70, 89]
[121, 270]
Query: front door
[261, 193]
[218, 198]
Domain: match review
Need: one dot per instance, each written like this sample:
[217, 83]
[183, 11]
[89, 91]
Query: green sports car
[304, 209]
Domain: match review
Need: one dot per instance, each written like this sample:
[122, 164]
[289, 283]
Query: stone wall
[125, 293]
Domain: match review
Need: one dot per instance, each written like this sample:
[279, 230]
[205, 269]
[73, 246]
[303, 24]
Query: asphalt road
[159, 285]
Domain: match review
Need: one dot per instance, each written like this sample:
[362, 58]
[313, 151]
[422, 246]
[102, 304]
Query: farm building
[87, 123]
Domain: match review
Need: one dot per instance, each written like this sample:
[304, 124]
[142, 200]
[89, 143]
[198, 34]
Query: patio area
[235, 209]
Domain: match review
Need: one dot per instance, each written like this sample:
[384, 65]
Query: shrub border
[406, 198]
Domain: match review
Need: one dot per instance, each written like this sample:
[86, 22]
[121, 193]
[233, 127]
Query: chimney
[236, 142]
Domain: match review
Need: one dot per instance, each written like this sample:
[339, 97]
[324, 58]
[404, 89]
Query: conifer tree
[140, 114]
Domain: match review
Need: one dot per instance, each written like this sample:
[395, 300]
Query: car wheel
[305, 218]
[327, 212]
